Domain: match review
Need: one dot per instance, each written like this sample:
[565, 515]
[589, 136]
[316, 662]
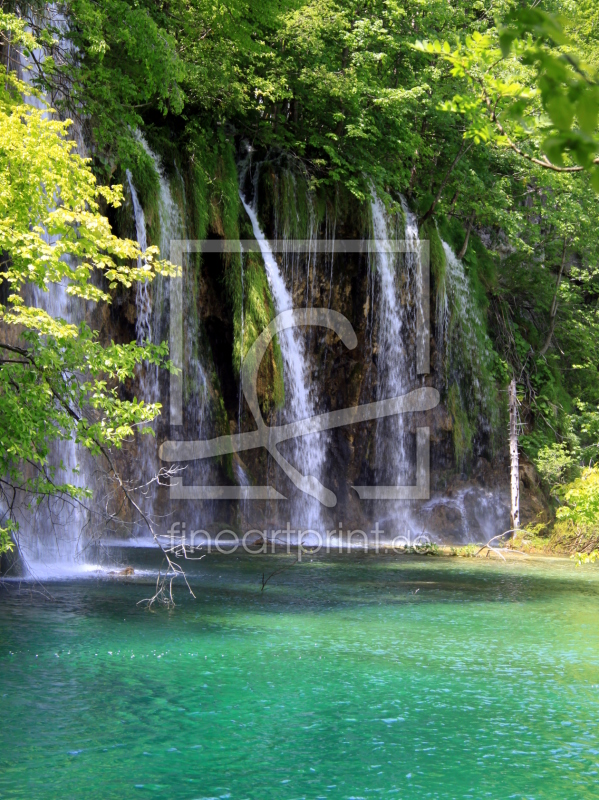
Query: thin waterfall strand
[143, 300]
[308, 452]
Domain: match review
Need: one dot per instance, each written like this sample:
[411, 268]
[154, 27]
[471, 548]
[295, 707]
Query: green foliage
[463, 428]
[438, 262]
[217, 210]
[585, 558]
[120, 61]
[56, 381]
[6, 534]
[147, 185]
[555, 463]
[214, 184]
[470, 362]
[258, 311]
[465, 551]
[581, 500]
[523, 77]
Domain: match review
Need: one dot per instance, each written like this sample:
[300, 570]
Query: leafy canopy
[527, 82]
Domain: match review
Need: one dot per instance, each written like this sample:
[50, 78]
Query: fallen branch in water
[500, 550]
[286, 567]
[276, 572]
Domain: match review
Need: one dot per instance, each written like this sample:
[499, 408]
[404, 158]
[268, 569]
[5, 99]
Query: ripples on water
[351, 676]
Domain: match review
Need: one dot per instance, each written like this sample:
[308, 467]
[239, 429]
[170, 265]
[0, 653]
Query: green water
[350, 677]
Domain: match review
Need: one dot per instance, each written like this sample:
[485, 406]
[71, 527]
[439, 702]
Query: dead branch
[490, 548]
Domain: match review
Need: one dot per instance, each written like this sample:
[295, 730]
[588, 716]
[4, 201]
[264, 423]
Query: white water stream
[456, 294]
[143, 299]
[53, 535]
[308, 453]
[394, 274]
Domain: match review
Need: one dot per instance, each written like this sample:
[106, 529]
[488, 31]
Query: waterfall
[395, 361]
[156, 321]
[143, 301]
[149, 326]
[330, 230]
[469, 350]
[153, 325]
[152, 307]
[52, 536]
[308, 452]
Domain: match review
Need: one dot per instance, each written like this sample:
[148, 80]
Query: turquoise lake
[350, 676]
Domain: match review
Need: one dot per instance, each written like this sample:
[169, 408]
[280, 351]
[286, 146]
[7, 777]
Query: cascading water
[330, 230]
[172, 227]
[307, 453]
[292, 196]
[150, 307]
[301, 279]
[148, 330]
[474, 346]
[395, 361]
[143, 301]
[153, 320]
[52, 537]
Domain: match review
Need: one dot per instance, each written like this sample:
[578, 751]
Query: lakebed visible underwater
[349, 676]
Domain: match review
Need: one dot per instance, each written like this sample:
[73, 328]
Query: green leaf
[553, 147]
[587, 110]
[506, 39]
[561, 111]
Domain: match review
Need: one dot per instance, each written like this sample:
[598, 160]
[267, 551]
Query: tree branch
[464, 247]
[540, 162]
[174, 570]
[553, 312]
[461, 152]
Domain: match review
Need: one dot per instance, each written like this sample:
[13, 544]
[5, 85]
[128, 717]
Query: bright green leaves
[6, 542]
[523, 22]
[568, 92]
[57, 381]
[587, 110]
[581, 499]
[560, 110]
[570, 98]
[49, 221]
[15, 30]
[526, 72]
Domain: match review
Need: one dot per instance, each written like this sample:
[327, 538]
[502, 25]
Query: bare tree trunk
[462, 252]
[413, 172]
[514, 467]
[553, 312]
[453, 202]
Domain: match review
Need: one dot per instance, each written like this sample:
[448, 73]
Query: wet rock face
[467, 513]
[468, 503]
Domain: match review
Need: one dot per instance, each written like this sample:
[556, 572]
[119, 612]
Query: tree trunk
[462, 252]
[413, 172]
[553, 312]
[453, 201]
[462, 151]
